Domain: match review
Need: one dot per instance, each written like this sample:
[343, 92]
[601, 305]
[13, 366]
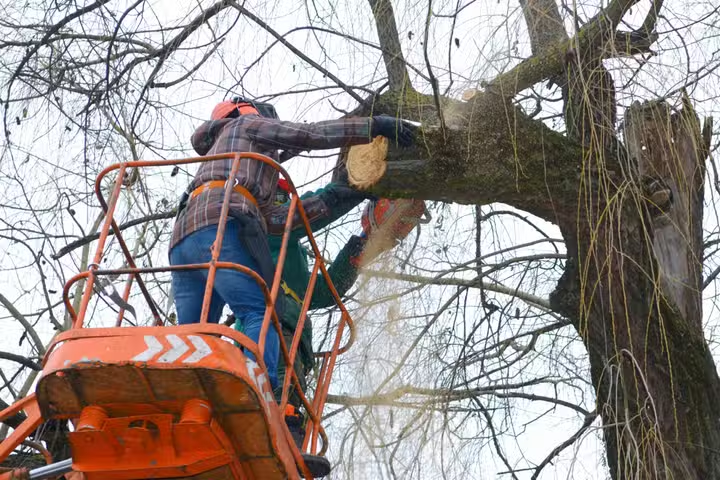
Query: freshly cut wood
[469, 94]
[366, 164]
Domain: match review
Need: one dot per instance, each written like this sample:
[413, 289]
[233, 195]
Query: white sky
[492, 38]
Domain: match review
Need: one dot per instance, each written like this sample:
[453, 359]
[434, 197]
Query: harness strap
[289, 291]
[221, 184]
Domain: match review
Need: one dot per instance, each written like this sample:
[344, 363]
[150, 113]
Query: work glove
[340, 174]
[342, 196]
[360, 253]
[355, 247]
[396, 130]
[341, 182]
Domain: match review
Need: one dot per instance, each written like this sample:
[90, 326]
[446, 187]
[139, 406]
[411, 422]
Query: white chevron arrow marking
[178, 349]
[153, 348]
[202, 349]
[258, 380]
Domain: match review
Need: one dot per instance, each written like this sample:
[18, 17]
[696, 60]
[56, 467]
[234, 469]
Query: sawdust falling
[388, 313]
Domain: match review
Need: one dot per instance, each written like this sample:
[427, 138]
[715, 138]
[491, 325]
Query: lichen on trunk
[490, 152]
[656, 383]
[636, 304]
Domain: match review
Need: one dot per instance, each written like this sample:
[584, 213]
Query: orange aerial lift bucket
[174, 401]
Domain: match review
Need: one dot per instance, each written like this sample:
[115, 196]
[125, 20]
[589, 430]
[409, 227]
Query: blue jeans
[239, 291]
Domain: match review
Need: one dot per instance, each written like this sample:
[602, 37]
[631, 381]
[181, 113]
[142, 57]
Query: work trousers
[244, 243]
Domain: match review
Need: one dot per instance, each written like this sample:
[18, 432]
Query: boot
[319, 466]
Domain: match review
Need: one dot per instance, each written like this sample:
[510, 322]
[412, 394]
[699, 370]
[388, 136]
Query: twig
[476, 282]
[21, 360]
[190, 72]
[25, 323]
[589, 419]
[498, 448]
[297, 52]
[132, 223]
[51, 31]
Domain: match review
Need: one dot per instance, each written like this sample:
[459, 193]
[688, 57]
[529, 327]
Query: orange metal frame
[314, 409]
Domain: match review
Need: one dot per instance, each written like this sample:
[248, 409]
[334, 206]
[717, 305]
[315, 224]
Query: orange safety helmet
[243, 107]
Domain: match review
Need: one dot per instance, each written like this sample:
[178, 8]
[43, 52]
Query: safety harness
[221, 184]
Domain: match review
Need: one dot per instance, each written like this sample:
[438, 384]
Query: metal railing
[314, 409]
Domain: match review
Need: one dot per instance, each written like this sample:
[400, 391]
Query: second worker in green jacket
[322, 207]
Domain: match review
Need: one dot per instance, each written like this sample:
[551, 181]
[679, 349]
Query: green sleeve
[322, 207]
[342, 273]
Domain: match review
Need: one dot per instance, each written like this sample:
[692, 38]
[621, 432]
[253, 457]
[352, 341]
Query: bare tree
[578, 120]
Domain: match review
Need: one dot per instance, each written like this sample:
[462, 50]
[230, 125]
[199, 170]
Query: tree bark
[634, 301]
[491, 152]
[389, 43]
[633, 283]
[545, 25]
[670, 146]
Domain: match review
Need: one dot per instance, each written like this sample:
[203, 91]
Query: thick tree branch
[551, 59]
[13, 421]
[544, 23]
[24, 361]
[433, 79]
[668, 146]
[389, 43]
[491, 152]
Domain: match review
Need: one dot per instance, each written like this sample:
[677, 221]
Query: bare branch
[390, 43]
[25, 323]
[589, 419]
[297, 52]
[475, 283]
[433, 79]
[132, 223]
[24, 361]
[551, 61]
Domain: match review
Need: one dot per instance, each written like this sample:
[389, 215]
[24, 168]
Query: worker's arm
[343, 132]
[322, 207]
[343, 272]
[278, 134]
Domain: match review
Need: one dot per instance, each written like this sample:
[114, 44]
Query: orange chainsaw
[386, 222]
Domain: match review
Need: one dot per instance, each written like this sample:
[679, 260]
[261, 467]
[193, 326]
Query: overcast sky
[47, 159]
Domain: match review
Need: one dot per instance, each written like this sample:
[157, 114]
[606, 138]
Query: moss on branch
[491, 152]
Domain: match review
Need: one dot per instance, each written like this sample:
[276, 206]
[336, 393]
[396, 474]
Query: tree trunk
[634, 286]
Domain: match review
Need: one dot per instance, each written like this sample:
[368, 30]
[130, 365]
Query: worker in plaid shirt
[243, 126]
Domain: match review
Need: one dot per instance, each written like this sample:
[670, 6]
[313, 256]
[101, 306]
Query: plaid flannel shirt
[252, 133]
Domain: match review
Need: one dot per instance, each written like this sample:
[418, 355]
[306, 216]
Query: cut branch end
[366, 164]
